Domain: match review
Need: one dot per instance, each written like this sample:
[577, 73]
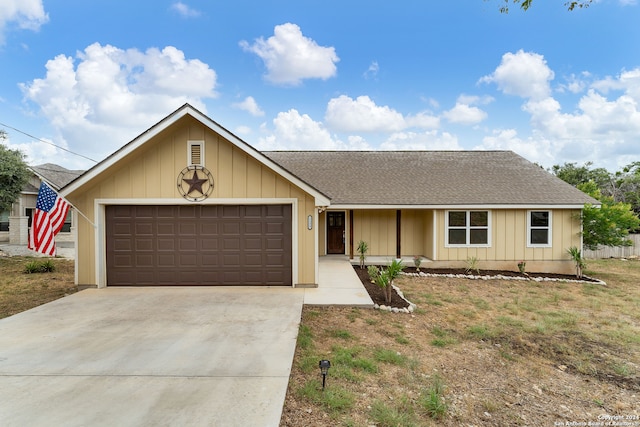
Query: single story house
[189, 203]
[15, 224]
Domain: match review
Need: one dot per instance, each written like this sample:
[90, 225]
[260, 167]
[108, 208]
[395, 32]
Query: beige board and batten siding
[377, 227]
[509, 242]
[148, 175]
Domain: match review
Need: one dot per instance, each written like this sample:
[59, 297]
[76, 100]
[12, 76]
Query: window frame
[548, 227]
[467, 229]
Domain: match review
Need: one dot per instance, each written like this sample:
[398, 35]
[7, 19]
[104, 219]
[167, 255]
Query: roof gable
[187, 110]
[430, 178]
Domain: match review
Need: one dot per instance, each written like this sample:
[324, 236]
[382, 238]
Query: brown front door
[335, 232]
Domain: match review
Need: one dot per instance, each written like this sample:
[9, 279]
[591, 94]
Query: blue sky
[552, 85]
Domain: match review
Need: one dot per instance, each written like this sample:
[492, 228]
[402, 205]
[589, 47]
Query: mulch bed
[377, 295]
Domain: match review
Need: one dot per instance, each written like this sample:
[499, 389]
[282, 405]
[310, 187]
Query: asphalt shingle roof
[56, 175]
[428, 178]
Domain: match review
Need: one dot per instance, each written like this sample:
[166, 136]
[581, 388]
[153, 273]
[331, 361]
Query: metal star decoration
[195, 182]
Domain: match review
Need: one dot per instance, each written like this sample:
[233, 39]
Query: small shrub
[417, 260]
[47, 266]
[363, 248]
[32, 267]
[374, 272]
[522, 266]
[472, 265]
[39, 267]
[576, 256]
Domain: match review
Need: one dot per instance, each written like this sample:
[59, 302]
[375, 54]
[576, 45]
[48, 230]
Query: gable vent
[196, 153]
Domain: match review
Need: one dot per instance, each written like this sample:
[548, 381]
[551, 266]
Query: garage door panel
[144, 260]
[167, 260]
[166, 244]
[190, 244]
[275, 244]
[208, 228]
[211, 244]
[229, 244]
[199, 245]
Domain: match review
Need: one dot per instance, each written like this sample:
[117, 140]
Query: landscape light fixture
[324, 369]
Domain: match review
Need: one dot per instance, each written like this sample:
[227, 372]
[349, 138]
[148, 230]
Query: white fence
[616, 251]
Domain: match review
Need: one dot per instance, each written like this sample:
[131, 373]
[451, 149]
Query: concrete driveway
[150, 357]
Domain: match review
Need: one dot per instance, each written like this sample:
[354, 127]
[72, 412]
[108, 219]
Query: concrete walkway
[149, 357]
[338, 285]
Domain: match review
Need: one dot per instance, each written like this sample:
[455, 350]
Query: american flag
[48, 219]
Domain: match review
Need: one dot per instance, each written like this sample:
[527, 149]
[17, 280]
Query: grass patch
[334, 398]
[432, 400]
[341, 333]
[389, 356]
[387, 415]
[20, 291]
[305, 336]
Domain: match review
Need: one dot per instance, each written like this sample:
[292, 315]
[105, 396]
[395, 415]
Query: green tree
[14, 174]
[526, 4]
[608, 224]
[622, 186]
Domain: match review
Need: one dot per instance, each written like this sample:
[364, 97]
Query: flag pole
[70, 204]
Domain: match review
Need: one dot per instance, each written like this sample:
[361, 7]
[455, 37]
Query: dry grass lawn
[491, 352]
[20, 291]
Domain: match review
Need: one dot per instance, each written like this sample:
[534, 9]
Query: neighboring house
[189, 203]
[14, 225]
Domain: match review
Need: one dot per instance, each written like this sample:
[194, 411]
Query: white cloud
[422, 120]
[243, 130]
[465, 114]
[429, 140]
[362, 115]
[25, 14]
[290, 57]
[575, 83]
[295, 131]
[603, 127]
[372, 71]
[184, 10]
[523, 74]
[540, 150]
[113, 94]
[249, 105]
[345, 114]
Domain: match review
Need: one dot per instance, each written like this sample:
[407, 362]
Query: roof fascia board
[452, 207]
[320, 199]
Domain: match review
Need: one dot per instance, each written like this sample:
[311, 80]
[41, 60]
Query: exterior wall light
[324, 369]
[309, 222]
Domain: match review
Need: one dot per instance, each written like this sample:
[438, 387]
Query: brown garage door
[198, 245]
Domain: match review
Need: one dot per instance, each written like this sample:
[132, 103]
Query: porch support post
[398, 233]
[351, 234]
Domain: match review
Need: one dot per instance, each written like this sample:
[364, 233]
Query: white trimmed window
[195, 153]
[539, 229]
[468, 228]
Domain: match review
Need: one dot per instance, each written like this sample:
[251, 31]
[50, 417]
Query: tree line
[619, 194]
